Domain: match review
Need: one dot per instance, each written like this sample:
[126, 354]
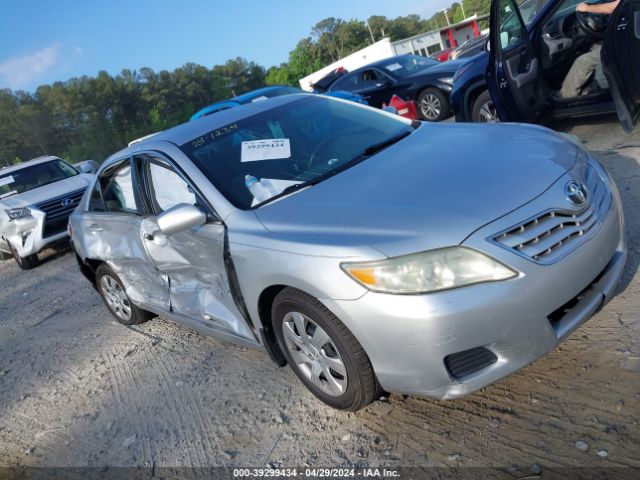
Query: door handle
[95, 228]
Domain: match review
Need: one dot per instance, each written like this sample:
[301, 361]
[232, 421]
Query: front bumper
[25, 235]
[407, 338]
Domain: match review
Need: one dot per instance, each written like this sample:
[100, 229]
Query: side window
[118, 190]
[95, 202]
[512, 30]
[370, 79]
[168, 188]
[350, 83]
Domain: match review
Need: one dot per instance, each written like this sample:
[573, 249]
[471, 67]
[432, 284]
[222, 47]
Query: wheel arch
[471, 95]
[265, 303]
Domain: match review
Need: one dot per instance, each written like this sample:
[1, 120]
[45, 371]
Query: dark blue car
[536, 44]
[411, 77]
[263, 94]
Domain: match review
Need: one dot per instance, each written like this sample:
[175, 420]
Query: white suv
[36, 199]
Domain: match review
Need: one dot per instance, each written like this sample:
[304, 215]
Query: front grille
[465, 363]
[57, 212]
[551, 235]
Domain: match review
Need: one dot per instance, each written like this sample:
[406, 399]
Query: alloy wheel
[488, 113]
[314, 353]
[115, 297]
[430, 106]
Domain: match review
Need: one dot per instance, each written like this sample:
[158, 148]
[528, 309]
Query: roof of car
[187, 131]
[34, 161]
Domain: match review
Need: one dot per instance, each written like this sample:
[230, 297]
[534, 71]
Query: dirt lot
[79, 389]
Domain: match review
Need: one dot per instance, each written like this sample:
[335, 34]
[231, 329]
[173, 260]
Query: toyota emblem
[576, 193]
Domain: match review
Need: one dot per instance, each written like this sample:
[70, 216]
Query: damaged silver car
[362, 249]
[36, 199]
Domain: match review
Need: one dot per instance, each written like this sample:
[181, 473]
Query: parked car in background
[87, 166]
[411, 77]
[442, 55]
[263, 94]
[432, 273]
[523, 74]
[253, 96]
[36, 199]
[470, 48]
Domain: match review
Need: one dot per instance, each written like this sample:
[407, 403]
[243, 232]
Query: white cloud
[22, 72]
[78, 50]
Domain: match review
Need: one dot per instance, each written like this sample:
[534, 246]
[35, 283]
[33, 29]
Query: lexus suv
[36, 199]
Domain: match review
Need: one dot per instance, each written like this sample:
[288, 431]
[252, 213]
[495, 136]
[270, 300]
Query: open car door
[621, 63]
[513, 73]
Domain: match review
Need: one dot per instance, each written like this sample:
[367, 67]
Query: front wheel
[25, 263]
[433, 105]
[484, 111]
[116, 299]
[322, 352]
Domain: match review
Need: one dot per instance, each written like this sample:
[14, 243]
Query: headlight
[16, 213]
[429, 271]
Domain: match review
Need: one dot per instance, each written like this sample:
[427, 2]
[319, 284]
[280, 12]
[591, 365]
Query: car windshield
[408, 64]
[34, 176]
[290, 146]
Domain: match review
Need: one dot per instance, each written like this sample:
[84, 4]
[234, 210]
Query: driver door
[620, 61]
[193, 260]
[514, 72]
[376, 87]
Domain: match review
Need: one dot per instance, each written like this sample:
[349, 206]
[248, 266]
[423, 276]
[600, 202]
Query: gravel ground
[79, 389]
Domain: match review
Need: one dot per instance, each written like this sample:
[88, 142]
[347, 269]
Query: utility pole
[370, 32]
[464, 15]
[446, 16]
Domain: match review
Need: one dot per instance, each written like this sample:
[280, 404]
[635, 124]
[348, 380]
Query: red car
[442, 55]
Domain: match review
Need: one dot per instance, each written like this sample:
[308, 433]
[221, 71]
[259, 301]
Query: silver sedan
[368, 252]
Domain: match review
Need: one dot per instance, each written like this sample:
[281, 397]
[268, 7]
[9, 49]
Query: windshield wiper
[371, 149]
[366, 153]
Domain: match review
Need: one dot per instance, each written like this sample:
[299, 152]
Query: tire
[483, 110]
[433, 105]
[113, 295]
[25, 263]
[337, 355]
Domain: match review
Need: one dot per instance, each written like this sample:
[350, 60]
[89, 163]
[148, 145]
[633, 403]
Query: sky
[45, 41]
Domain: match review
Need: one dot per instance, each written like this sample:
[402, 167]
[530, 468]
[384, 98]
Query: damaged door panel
[192, 259]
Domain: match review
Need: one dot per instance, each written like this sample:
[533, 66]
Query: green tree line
[92, 117]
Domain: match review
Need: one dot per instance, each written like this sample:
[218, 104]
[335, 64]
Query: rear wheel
[25, 263]
[484, 111]
[116, 299]
[322, 352]
[433, 105]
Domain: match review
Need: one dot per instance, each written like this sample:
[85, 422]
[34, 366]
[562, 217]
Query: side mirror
[384, 83]
[179, 218]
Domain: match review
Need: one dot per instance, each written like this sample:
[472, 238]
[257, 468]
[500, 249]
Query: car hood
[47, 192]
[430, 190]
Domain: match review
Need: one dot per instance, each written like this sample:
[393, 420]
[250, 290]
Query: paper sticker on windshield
[271, 149]
[393, 67]
[6, 180]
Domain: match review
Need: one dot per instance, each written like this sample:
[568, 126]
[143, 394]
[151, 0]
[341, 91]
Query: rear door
[111, 233]
[620, 60]
[195, 261]
[513, 74]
